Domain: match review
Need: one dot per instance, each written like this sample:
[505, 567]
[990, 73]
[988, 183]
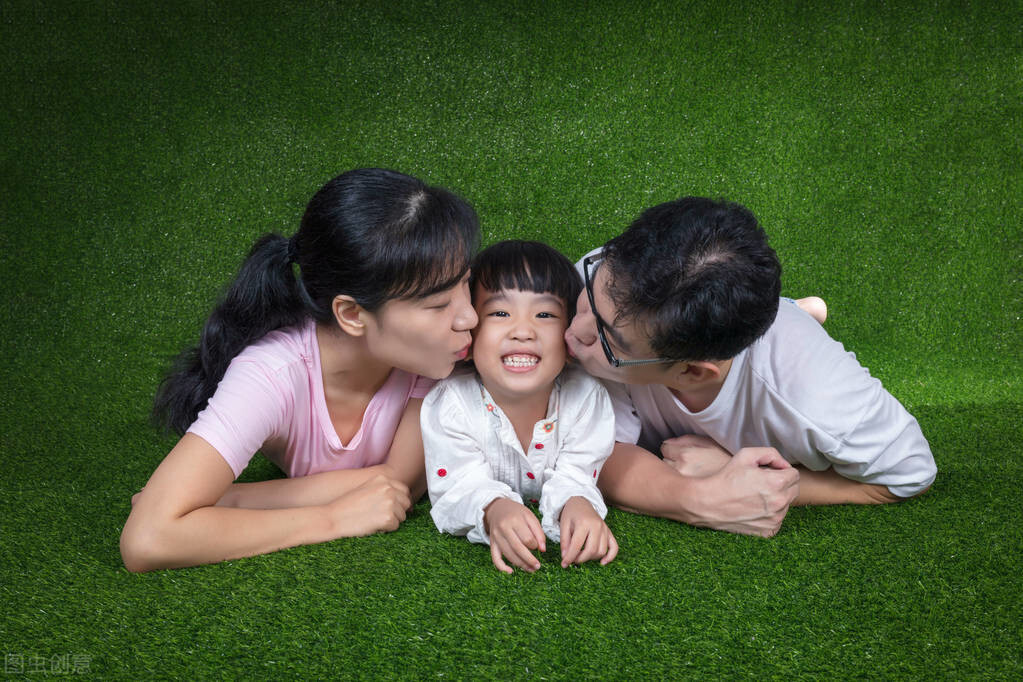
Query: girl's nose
[523, 331]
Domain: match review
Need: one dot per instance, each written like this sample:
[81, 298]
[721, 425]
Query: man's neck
[699, 397]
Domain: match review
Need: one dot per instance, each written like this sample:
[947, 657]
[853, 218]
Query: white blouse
[474, 457]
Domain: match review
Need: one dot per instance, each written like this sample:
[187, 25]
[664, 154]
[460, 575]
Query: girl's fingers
[537, 531]
[590, 544]
[516, 551]
[612, 550]
[520, 555]
[600, 547]
[575, 545]
[591, 549]
[495, 556]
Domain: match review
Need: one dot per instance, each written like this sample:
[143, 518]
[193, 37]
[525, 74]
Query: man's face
[627, 339]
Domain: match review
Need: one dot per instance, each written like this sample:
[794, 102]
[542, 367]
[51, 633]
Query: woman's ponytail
[264, 296]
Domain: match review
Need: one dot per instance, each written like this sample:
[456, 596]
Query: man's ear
[690, 375]
[349, 315]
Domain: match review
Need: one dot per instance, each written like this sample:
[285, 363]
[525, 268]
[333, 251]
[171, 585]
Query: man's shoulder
[591, 252]
[798, 361]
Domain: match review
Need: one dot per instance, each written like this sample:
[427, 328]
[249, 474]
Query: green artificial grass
[145, 148]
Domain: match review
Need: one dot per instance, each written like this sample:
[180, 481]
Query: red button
[539, 446]
[594, 473]
[529, 474]
[535, 501]
[442, 472]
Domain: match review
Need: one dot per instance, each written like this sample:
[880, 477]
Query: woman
[316, 356]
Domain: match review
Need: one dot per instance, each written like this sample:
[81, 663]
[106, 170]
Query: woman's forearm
[212, 534]
[175, 520]
[303, 491]
[405, 461]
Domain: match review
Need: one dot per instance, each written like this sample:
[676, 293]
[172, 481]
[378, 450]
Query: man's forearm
[829, 487]
[750, 495]
[637, 481]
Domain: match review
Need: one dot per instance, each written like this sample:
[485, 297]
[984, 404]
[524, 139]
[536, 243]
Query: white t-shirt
[474, 457]
[798, 390]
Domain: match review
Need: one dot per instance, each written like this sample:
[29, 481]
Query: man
[681, 317]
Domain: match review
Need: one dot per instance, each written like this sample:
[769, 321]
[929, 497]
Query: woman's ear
[349, 315]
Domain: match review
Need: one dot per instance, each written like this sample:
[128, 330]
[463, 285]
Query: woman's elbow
[141, 547]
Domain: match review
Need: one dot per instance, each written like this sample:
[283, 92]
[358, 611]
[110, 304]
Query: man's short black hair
[697, 276]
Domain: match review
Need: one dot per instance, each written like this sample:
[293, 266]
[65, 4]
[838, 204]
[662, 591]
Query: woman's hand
[378, 505]
[584, 535]
[515, 533]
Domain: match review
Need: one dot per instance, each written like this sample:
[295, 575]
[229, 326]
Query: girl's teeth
[521, 360]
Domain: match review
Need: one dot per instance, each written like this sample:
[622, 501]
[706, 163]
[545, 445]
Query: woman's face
[424, 336]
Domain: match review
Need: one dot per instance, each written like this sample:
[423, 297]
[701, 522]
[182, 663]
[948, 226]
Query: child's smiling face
[519, 345]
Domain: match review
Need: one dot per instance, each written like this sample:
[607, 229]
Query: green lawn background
[145, 148]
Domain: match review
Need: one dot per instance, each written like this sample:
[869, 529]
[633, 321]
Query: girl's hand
[696, 456]
[515, 533]
[377, 505]
[584, 535]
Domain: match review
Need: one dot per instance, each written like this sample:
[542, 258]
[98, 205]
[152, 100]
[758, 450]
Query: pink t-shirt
[271, 400]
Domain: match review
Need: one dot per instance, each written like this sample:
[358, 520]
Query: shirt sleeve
[245, 411]
[627, 425]
[821, 407]
[460, 481]
[586, 425]
[886, 448]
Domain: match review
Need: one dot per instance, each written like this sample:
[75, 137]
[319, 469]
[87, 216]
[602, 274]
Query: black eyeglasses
[594, 261]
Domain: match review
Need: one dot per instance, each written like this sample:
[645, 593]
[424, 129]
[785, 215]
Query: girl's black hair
[370, 233]
[527, 266]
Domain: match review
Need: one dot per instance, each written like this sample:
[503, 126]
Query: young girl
[522, 425]
[312, 358]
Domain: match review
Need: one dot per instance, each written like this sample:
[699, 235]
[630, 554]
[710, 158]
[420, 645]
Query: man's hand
[584, 535]
[515, 533]
[697, 456]
[750, 495]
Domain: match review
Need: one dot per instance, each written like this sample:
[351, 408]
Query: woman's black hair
[370, 233]
[527, 266]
